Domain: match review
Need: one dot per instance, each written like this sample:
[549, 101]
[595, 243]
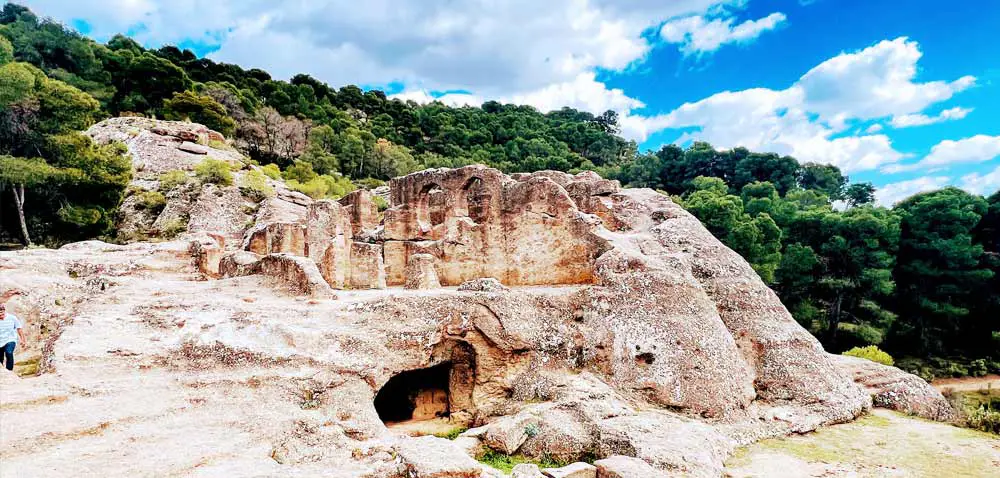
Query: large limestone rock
[895, 389]
[421, 273]
[616, 326]
[618, 466]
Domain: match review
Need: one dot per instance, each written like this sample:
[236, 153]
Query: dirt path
[968, 384]
[884, 444]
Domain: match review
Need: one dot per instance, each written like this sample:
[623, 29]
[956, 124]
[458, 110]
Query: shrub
[872, 353]
[271, 171]
[985, 419]
[214, 171]
[152, 201]
[381, 203]
[370, 183]
[300, 171]
[978, 368]
[254, 185]
[172, 179]
[337, 186]
[173, 229]
[316, 188]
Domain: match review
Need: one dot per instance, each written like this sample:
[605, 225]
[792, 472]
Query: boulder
[207, 250]
[897, 390]
[328, 240]
[575, 470]
[192, 148]
[361, 210]
[420, 273]
[625, 467]
[432, 457]
[486, 284]
[276, 237]
[239, 263]
[526, 470]
[507, 434]
[298, 275]
[367, 267]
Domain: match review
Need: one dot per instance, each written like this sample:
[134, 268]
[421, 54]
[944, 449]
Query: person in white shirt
[11, 332]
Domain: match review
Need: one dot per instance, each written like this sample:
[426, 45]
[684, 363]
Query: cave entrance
[440, 393]
[415, 395]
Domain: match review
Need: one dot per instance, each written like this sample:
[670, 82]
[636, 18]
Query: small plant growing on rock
[254, 185]
[214, 171]
[173, 229]
[172, 179]
[271, 171]
[152, 201]
[872, 353]
[532, 430]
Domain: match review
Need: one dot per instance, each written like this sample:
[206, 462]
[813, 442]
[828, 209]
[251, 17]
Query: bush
[978, 368]
[300, 171]
[172, 179]
[337, 186]
[316, 188]
[173, 229]
[985, 419]
[152, 201]
[271, 171]
[214, 171]
[370, 183]
[872, 353]
[381, 203]
[254, 185]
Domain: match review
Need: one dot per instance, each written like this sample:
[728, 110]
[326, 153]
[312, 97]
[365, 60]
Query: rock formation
[591, 322]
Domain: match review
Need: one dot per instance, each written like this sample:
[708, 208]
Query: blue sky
[903, 94]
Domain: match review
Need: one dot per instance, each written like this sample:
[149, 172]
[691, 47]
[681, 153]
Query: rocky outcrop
[618, 466]
[895, 389]
[590, 322]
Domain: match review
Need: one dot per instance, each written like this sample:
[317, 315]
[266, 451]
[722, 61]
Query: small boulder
[526, 470]
[193, 148]
[486, 284]
[619, 466]
[575, 470]
[297, 274]
[433, 457]
[420, 272]
[509, 433]
[239, 263]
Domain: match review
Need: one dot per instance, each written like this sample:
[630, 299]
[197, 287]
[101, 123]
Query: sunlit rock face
[559, 315]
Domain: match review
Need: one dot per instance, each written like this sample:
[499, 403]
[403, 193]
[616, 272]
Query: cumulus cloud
[892, 193]
[698, 35]
[983, 184]
[906, 121]
[810, 118]
[976, 149]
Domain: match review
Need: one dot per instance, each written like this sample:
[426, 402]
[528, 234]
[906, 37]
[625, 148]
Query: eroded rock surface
[592, 322]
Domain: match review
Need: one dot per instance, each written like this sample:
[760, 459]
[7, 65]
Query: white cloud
[983, 184]
[873, 83]
[892, 193]
[810, 119]
[976, 149]
[905, 121]
[875, 128]
[697, 35]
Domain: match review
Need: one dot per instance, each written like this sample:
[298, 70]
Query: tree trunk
[831, 331]
[19, 202]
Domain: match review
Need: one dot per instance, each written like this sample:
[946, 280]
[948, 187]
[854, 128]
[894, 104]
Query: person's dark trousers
[8, 355]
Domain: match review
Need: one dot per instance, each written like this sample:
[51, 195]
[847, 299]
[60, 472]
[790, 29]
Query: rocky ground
[569, 321]
[885, 444]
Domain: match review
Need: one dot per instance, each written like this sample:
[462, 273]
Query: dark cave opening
[420, 394]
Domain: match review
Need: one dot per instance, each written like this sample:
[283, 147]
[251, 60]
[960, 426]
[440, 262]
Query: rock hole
[645, 358]
[415, 395]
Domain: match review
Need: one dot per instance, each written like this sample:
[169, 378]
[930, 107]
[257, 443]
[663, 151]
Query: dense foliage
[919, 279]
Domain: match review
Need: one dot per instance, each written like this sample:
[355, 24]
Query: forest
[919, 280]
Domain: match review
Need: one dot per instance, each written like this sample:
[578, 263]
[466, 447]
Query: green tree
[859, 194]
[939, 269]
[188, 105]
[6, 51]
[823, 177]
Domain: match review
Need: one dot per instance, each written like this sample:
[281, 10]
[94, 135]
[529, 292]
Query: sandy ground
[968, 384]
[884, 444]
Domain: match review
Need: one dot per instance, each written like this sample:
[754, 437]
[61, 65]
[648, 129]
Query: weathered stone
[432, 457]
[897, 390]
[367, 269]
[207, 250]
[298, 275]
[420, 273]
[486, 284]
[526, 470]
[574, 470]
[328, 241]
[509, 433]
[625, 467]
[239, 263]
[276, 237]
[192, 148]
[361, 210]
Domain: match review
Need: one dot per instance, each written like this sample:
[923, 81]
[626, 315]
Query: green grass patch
[506, 463]
[452, 434]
